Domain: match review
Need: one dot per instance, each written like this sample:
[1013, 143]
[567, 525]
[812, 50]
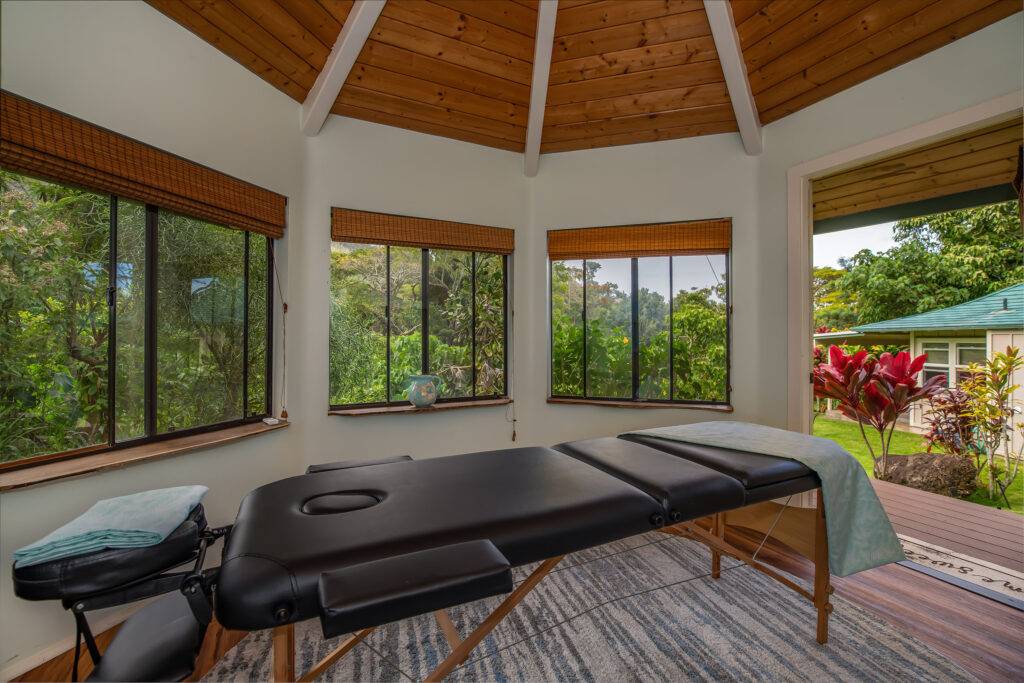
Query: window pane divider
[635, 326]
[425, 311]
[112, 282]
[149, 361]
[245, 327]
[472, 324]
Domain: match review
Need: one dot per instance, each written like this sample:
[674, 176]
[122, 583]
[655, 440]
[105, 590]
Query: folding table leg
[718, 528]
[822, 575]
[284, 653]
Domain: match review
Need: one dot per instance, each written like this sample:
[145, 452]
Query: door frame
[801, 225]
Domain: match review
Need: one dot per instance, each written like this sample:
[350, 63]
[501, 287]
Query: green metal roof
[1002, 310]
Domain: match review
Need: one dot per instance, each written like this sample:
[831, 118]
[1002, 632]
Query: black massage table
[360, 544]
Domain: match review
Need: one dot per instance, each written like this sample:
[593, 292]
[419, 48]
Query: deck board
[981, 532]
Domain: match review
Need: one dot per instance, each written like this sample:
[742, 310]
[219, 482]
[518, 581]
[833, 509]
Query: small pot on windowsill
[423, 390]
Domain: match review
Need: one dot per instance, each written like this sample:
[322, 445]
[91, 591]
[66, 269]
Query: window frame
[634, 340]
[151, 259]
[953, 368]
[425, 330]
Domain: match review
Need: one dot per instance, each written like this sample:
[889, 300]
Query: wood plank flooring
[982, 532]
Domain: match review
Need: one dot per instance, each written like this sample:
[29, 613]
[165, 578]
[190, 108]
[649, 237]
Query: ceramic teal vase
[423, 390]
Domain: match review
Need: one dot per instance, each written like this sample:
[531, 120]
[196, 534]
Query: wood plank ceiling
[622, 71]
[969, 161]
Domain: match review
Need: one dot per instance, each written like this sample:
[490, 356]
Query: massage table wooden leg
[718, 527]
[822, 575]
[460, 653]
[284, 653]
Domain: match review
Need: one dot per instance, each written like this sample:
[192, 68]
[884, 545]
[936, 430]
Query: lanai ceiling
[621, 71]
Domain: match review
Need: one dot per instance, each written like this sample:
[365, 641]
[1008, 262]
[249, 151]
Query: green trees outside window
[121, 322]
[645, 329]
[383, 297]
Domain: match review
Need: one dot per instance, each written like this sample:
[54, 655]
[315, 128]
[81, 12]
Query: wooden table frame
[802, 529]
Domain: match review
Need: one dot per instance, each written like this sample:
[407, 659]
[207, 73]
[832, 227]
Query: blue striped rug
[642, 609]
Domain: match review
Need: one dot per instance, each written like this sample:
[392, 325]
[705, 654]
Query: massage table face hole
[341, 501]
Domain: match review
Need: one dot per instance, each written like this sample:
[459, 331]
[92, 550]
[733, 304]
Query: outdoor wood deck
[981, 532]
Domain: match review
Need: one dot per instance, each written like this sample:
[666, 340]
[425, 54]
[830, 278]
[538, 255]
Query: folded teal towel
[860, 535]
[133, 521]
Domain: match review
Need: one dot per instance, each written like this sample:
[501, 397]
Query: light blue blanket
[138, 520]
[860, 535]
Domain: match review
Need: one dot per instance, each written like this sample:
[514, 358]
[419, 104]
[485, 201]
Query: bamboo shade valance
[349, 225]
[40, 141]
[654, 239]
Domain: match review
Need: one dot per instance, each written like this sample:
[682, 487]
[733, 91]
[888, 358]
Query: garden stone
[947, 475]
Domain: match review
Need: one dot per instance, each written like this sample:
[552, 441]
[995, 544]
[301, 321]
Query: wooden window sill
[717, 407]
[437, 407]
[108, 460]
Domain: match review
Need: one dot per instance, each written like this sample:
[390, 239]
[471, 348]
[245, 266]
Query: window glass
[200, 316]
[567, 328]
[928, 373]
[54, 263]
[609, 328]
[699, 328]
[358, 336]
[654, 293]
[938, 353]
[970, 353]
[490, 324]
[259, 259]
[451, 321]
[406, 319]
[130, 298]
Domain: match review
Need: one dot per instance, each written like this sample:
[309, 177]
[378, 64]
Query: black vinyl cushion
[532, 503]
[76, 577]
[160, 642]
[393, 588]
[347, 464]
[686, 489]
[751, 469]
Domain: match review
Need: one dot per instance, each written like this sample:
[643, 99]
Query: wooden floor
[981, 532]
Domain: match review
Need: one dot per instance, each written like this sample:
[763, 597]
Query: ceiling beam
[542, 47]
[332, 77]
[727, 43]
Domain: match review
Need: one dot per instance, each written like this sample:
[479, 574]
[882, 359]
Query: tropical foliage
[938, 261]
[55, 329]
[364, 321]
[695, 328]
[874, 392]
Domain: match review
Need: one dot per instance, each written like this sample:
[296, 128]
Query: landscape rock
[947, 475]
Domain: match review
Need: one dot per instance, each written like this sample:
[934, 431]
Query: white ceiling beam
[727, 43]
[332, 77]
[542, 47]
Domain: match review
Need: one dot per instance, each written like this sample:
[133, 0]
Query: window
[398, 311]
[646, 329]
[123, 323]
[950, 359]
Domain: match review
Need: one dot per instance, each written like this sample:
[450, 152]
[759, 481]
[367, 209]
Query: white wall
[124, 66]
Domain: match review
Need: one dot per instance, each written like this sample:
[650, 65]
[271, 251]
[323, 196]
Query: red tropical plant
[874, 392]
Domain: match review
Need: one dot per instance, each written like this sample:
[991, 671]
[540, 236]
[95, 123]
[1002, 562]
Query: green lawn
[847, 435]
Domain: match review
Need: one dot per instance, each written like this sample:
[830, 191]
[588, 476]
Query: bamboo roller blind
[40, 141]
[653, 239]
[349, 225]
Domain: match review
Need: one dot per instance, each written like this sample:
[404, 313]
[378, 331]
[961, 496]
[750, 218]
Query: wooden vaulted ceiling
[622, 71]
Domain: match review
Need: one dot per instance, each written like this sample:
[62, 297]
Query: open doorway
[918, 276]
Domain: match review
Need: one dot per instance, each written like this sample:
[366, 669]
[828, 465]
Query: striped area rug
[642, 609]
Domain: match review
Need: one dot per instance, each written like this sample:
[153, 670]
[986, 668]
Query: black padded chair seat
[160, 642]
[751, 469]
[394, 588]
[687, 490]
[76, 577]
[532, 503]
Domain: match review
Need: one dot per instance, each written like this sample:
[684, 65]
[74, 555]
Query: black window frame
[151, 258]
[425, 330]
[634, 338]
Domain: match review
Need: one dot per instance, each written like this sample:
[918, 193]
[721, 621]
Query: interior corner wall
[126, 67]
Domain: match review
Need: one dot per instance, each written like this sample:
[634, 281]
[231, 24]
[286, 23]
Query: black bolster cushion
[382, 591]
[349, 464]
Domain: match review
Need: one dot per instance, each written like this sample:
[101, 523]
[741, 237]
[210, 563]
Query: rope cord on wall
[284, 337]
